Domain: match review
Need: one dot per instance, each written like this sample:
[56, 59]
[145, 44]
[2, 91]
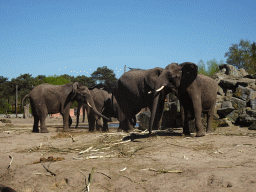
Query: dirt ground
[167, 161]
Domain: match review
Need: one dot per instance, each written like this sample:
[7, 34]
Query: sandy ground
[167, 161]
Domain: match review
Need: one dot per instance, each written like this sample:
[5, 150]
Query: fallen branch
[121, 142]
[10, 161]
[98, 157]
[85, 151]
[164, 171]
[49, 170]
[104, 174]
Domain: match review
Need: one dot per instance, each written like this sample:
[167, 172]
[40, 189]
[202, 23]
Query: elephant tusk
[149, 92]
[89, 104]
[160, 89]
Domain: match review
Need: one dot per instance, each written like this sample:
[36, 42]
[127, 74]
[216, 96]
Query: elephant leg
[91, 121]
[70, 121]
[105, 125]
[42, 124]
[125, 125]
[77, 115]
[83, 114]
[198, 112]
[209, 119]
[66, 121]
[99, 125]
[35, 126]
[185, 120]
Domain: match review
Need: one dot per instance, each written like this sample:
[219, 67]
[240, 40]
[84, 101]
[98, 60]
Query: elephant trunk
[153, 111]
[97, 112]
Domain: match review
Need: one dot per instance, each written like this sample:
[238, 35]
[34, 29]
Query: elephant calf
[104, 102]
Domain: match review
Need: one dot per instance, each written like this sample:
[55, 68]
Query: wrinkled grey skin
[50, 99]
[106, 104]
[197, 94]
[134, 91]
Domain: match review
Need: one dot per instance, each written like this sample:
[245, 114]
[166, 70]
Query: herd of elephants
[134, 90]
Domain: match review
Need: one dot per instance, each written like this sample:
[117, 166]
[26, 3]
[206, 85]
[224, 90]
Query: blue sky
[47, 37]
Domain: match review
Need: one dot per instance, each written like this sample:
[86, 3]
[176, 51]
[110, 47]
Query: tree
[104, 75]
[56, 80]
[242, 55]
[38, 80]
[211, 67]
[201, 67]
[87, 81]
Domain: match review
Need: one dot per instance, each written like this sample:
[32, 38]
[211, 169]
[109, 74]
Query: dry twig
[10, 161]
[48, 170]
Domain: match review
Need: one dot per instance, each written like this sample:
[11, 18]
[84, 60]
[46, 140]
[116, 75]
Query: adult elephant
[50, 99]
[197, 94]
[135, 90]
[105, 103]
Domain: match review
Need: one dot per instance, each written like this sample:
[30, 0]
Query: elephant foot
[120, 130]
[200, 134]
[65, 130]
[35, 131]
[44, 131]
[188, 134]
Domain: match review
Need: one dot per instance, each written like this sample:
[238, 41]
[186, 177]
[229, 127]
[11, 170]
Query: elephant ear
[189, 73]
[152, 78]
[74, 90]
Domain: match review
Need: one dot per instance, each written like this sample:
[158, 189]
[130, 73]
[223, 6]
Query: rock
[217, 106]
[233, 116]
[243, 72]
[225, 123]
[229, 94]
[6, 120]
[231, 70]
[253, 104]
[251, 112]
[252, 126]
[245, 120]
[251, 76]
[228, 83]
[144, 119]
[219, 99]
[227, 104]
[220, 91]
[238, 104]
[246, 82]
[224, 111]
[245, 93]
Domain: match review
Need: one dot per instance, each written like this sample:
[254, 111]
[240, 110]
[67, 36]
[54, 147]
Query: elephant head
[176, 76]
[82, 94]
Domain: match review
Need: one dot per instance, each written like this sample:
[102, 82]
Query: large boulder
[238, 104]
[245, 120]
[245, 93]
[231, 70]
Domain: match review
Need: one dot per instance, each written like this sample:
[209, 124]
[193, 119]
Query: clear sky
[47, 37]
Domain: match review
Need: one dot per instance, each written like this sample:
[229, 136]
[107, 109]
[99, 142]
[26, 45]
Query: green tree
[211, 67]
[38, 80]
[3, 93]
[87, 81]
[202, 67]
[242, 55]
[104, 75]
[56, 80]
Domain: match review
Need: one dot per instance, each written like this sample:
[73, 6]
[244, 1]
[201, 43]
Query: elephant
[104, 102]
[50, 99]
[197, 93]
[136, 89]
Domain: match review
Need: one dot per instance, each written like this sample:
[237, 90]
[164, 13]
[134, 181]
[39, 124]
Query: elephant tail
[26, 96]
